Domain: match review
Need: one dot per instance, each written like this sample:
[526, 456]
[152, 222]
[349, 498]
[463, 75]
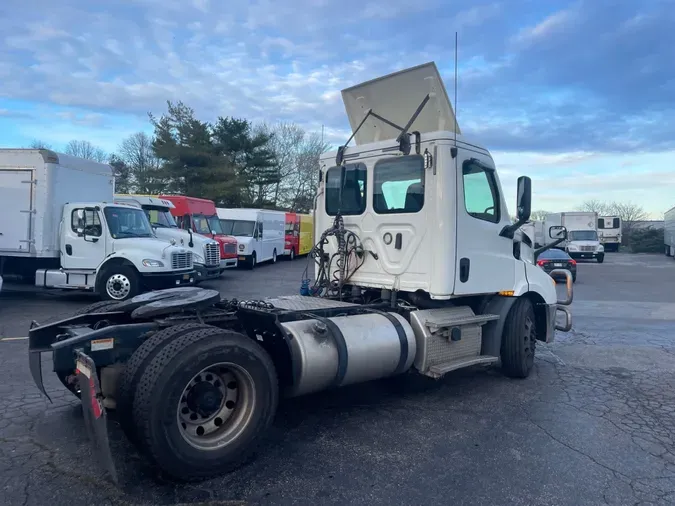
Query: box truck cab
[48, 235]
[583, 241]
[260, 233]
[199, 216]
[299, 234]
[205, 251]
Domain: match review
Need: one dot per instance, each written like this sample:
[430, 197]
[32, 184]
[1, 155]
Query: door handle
[399, 241]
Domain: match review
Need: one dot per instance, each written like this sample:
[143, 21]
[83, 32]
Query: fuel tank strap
[340, 344]
[402, 337]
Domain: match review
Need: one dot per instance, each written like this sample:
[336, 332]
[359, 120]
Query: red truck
[199, 215]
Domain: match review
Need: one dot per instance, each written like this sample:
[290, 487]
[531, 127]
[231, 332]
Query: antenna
[456, 110]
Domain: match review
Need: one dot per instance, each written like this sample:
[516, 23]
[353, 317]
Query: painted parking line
[13, 338]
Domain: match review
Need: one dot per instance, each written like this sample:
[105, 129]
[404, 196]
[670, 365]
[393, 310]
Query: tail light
[541, 263]
[572, 261]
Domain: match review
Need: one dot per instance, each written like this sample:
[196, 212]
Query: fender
[493, 330]
[112, 258]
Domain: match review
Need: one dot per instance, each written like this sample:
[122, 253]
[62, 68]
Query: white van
[260, 233]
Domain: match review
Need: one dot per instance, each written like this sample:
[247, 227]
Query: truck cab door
[485, 261]
[83, 244]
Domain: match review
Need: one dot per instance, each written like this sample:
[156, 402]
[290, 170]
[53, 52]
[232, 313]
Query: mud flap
[95, 417]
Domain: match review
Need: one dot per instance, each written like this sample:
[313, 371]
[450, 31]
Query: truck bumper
[159, 281]
[204, 272]
[585, 254]
[228, 263]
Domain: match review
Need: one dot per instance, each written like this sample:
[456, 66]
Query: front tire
[119, 282]
[274, 256]
[292, 255]
[601, 258]
[204, 402]
[253, 261]
[519, 340]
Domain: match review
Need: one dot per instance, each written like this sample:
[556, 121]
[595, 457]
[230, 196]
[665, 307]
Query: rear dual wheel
[202, 400]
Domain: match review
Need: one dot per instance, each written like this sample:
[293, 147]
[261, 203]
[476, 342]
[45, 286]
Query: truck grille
[230, 248]
[181, 260]
[587, 248]
[212, 254]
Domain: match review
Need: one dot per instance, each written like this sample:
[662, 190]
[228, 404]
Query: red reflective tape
[95, 404]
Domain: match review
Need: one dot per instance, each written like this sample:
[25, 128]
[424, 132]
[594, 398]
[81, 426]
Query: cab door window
[481, 197]
[92, 219]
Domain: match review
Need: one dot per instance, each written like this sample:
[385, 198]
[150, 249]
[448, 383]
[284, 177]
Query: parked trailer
[199, 216]
[412, 272]
[260, 233]
[609, 230]
[49, 236]
[669, 231]
[299, 234]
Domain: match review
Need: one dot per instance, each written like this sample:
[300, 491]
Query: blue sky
[580, 96]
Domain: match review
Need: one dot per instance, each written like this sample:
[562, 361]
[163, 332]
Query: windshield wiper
[127, 235]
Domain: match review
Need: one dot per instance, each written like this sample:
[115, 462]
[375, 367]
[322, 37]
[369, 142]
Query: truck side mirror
[557, 232]
[524, 201]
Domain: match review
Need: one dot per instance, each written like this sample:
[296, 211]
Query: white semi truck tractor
[49, 235]
[418, 268]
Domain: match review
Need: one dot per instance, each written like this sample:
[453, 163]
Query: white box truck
[669, 231]
[205, 251]
[609, 230]
[582, 235]
[48, 234]
[260, 233]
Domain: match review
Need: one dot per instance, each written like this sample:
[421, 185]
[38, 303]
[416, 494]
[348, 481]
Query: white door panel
[485, 261]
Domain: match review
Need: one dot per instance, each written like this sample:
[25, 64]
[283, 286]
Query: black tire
[574, 278]
[127, 278]
[253, 261]
[519, 340]
[162, 390]
[102, 306]
[601, 258]
[135, 367]
[291, 255]
[274, 256]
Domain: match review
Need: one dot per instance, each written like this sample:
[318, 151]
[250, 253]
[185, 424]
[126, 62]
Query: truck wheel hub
[204, 399]
[118, 286]
[215, 406]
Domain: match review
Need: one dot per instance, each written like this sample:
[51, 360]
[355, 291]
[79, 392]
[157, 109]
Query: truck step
[437, 371]
[435, 324]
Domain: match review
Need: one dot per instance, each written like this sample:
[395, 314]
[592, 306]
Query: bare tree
[139, 157]
[38, 144]
[301, 186]
[85, 149]
[596, 206]
[539, 215]
[285, 142]
[630, 214]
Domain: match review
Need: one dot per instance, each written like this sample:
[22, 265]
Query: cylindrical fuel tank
[331, 352]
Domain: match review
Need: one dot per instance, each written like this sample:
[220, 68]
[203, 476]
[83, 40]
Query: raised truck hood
[396, 97]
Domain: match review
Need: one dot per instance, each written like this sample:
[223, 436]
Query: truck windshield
[201, 224]
[238, 228]
[160, 217]
[214, 223]
[125, 222]
[583, 235]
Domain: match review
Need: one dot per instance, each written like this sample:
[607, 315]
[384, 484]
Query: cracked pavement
[594, 423]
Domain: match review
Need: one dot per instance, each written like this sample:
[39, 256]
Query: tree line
[231, 161]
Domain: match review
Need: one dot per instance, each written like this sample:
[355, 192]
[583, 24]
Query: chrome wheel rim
[216, 406]
[118, 286]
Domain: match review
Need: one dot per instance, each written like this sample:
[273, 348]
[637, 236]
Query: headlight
[572, 247]
[242, 247]
[601, 248]
[197, 258]
[152, 263]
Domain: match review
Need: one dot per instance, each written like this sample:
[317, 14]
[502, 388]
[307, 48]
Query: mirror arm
[509, 231]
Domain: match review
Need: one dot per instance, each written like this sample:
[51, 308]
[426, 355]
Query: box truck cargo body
[582, 235]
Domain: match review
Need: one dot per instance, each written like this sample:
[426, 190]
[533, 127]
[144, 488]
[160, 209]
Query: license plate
[186, 277]
[242, 258]
[557, 265]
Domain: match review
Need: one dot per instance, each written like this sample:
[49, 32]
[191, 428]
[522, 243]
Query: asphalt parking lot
[594, 423]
